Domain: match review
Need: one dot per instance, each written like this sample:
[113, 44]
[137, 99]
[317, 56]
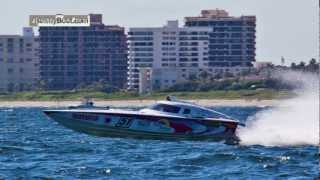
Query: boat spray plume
[291, 122]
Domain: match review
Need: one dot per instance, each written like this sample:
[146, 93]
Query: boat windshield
[218, 115]
[166, 108]
[188, 111]
[202, 113]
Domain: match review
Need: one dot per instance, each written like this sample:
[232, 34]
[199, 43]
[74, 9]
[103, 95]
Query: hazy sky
[287, 28]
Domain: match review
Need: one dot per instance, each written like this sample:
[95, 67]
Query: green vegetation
[313, 66]
[206, 86]
[78, 95]
[231, 84]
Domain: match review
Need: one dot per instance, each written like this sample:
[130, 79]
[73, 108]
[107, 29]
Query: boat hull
[109, 124]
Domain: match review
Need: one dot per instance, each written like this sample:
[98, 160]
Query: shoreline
[139, 103]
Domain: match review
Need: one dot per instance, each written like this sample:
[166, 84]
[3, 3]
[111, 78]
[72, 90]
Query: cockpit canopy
[187, 110]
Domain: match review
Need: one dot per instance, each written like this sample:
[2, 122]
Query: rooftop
[216, 14]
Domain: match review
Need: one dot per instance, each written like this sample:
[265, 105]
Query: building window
[10, 70]
[194, 65]
[141, 33]
[10, 40]
[10, 50]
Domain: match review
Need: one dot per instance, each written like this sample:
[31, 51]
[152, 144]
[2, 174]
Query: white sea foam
[292, 122]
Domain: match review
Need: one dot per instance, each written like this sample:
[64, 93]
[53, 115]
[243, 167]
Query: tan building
[18, 61]
[154, 79]
[262, 64]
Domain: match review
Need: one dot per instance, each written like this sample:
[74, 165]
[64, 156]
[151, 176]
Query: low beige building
[262, 64]
[19, 61]
[154, 79]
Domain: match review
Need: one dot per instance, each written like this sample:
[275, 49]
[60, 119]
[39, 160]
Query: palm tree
[313, 66]
[204, 76]
[301, 65]
[313, 61]
[293, 65]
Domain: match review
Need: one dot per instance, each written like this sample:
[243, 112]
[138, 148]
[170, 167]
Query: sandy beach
[126, 103]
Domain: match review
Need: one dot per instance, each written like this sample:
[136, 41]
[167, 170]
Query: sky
[285, 28]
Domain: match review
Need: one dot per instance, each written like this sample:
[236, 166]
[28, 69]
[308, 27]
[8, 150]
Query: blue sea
[35, 147]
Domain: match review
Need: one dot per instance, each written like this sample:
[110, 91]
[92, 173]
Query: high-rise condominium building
[18, 61]
[75, 56]
[169, 46]
[232, 40]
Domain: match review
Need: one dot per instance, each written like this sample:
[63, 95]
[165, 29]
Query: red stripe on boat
[180, 128]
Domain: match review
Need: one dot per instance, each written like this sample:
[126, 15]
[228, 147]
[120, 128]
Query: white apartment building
[164, 47]
[18, 61]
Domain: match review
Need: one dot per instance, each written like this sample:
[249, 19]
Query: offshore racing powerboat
[170, 119]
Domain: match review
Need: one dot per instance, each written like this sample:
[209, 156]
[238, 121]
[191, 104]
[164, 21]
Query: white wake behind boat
[170, 119]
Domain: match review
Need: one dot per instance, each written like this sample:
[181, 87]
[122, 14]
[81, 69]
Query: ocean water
[35, 147]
